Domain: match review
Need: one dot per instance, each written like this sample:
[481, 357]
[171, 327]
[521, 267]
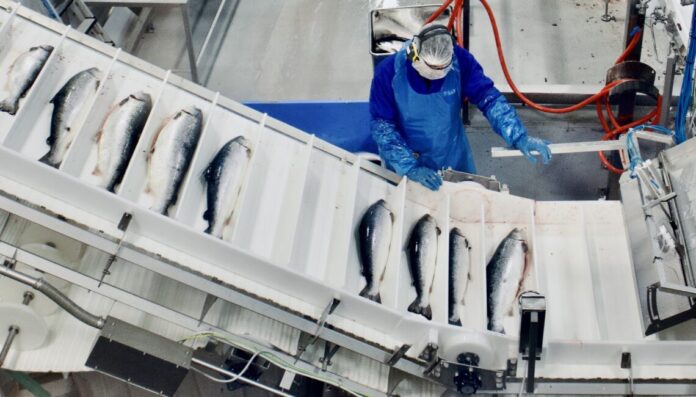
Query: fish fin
[455, 322]
[206, 216]
[427, 312]
[468, 276]
[148, 189]
[509, 312]
[98, 136]
[414, 307]
[8, 107]
[365, 293]
[462, 301]
[97, 171]
[46, 159]
[437, 230]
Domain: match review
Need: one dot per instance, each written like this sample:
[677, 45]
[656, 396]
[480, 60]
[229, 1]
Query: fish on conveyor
[374, 240]
[22, 74]
[170, 157]
[402, 23]
[118, 136]
[390, 46]
[68, 104]
[504, 275]
[422, 260]
[224, 177]
[459, 272]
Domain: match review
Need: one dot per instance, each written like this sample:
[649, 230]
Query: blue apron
[432, 123]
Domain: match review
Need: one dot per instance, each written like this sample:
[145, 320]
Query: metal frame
[149, 307]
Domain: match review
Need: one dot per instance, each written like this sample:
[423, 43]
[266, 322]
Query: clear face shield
[431, 72]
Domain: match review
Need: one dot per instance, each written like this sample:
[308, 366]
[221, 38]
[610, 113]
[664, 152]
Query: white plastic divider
[324, 175]
[326, 218]
[29, 133]
[390, 290]
[223, 125]
[192, 178]
[285, 235]
[75, 156]
[273, 195]
[121, 81]
[483, 263]
[439, 297]
[29, 106]
[6, 20]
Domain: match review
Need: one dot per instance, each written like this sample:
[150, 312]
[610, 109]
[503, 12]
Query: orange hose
[438, 12]
[600, 98]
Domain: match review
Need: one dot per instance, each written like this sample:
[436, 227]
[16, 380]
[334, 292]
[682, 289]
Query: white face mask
[429, 73]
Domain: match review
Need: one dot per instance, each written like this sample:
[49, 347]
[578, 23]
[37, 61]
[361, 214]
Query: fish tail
[365, 293]
[427, 312]
[495, 327]
[8, 106]
[46, 159]
[415, 306]
[455, 321]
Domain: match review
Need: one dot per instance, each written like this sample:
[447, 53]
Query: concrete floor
[318, 50]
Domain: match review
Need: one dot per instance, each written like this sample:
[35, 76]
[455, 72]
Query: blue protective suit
[417, 122]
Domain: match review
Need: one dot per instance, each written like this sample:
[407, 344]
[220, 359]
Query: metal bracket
[328, 310]
[398, 355]
[532, 318]
[656, 323]
[330, 350]
[626, 364]
[467, 378]
[123, 226]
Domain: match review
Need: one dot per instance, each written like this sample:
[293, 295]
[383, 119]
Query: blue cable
[634, 156]
[51, 10]
[686, 91]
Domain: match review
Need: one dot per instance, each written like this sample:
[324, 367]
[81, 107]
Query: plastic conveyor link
[56, 296]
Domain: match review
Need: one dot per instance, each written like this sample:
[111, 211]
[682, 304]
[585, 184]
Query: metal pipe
[56, 296]
[11, 334]
[241, 378]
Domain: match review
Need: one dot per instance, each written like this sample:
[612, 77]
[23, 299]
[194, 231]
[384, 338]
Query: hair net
[436, 50]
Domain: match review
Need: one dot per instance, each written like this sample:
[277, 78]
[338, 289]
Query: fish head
[384, 204]
[242, 141]
[142, 97]
[519, 235]
[193, 111]
[94, 72]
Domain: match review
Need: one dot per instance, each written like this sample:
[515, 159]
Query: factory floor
[317, 50]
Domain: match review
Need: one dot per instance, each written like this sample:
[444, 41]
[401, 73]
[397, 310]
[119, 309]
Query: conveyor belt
[292, 248]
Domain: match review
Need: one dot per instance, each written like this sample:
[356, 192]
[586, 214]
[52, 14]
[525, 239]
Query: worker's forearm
[504, 120]
[393, 149]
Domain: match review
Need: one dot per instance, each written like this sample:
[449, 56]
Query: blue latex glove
[392, 147]
[526, 144]
[426, 177]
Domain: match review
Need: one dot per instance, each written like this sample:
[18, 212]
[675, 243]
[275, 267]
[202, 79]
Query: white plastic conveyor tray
[292, 239]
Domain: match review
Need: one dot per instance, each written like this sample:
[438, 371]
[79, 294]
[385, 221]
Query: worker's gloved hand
[426, 177]
[527, 144]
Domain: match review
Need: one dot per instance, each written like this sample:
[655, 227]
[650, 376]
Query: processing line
[285, 277]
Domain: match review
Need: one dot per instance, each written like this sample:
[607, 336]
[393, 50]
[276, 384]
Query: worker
[415, 104]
